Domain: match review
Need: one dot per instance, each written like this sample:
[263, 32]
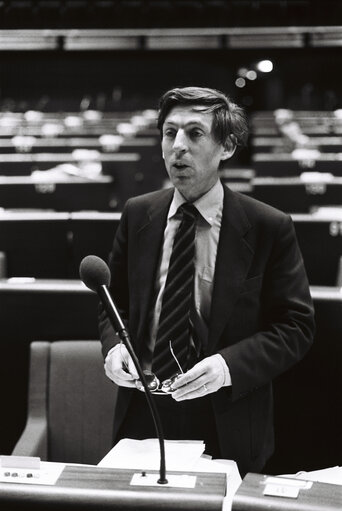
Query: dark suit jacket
[261, 317]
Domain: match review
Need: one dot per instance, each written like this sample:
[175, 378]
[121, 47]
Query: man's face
[192, 155]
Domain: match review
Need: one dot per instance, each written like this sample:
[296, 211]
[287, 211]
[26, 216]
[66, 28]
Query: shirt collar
[209, 205]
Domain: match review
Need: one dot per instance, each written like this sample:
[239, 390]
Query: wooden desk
[283, 164]
[36, 243]
[320, 241]
[65, 144]
[320, 497]
[93, 488]
[24, 164]
[92, 233]
[269, 144]
[293, 195]
[61, 194]
[50, 245]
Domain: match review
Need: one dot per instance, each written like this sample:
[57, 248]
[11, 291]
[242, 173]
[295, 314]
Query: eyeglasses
[154, 384]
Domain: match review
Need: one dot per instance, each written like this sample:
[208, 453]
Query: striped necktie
[174, 321]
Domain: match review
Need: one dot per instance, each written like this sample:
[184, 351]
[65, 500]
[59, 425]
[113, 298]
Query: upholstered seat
[71, 403]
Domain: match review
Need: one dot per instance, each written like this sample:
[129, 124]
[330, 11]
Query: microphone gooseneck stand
[121, 331]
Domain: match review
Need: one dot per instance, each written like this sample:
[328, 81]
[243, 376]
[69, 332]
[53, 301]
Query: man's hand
[207, 376]
[119, 367]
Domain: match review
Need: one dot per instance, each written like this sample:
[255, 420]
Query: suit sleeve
[118, 287]
[287, 324]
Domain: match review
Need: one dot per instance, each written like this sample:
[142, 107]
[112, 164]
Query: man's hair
[229, 119]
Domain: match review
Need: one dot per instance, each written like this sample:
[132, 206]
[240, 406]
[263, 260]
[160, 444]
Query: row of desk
[277, 164]
[45, 244]
[287, 164]
[286, 142]
[296, 194]
[268, 144]
[35, 148]
[83, 171]
[104, 192]
[87, 122]
[41, 245]
[23, 144]
[307, 398]
[48, 244]
[313, 123]
[91, 488]
[124, 147]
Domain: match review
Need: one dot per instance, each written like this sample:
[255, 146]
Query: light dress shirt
[208, 227]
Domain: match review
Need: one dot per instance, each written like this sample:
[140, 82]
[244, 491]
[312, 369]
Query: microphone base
[172, 481]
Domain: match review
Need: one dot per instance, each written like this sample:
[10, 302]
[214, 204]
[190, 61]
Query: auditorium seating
[70, 403]
[43, 244]
[51, 245]
[268, 144]
[63, 193]
[276, 154]
[296, 194]
[35, 244]
[36, 310]
[25, 164]
[320, 241]
[51, 150]
[284, 164]
[313, 123]
[92, 233]
[74, 216]
[86, 123]
[307, 405]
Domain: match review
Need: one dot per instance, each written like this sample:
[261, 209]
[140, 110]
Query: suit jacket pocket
[252, 284]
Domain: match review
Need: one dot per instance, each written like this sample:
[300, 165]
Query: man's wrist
[112, 350]
[227, 378]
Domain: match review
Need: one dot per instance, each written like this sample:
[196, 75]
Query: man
[251, 314]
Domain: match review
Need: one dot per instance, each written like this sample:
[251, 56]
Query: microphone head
[94, 272]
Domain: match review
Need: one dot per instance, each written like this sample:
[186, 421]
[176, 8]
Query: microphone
[95, 274]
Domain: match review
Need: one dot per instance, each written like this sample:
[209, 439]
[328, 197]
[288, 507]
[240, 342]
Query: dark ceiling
[42, 14]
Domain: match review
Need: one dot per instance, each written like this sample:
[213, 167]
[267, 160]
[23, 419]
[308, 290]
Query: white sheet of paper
[222, 466]
[145, 454]
[332, 475]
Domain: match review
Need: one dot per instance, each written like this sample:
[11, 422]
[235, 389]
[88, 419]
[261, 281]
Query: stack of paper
[181, 456]
[145, 454]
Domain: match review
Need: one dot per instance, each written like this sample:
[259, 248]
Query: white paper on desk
[145, 454]
[332, 475]
[222, 466]
[228, 467]
[205, 464]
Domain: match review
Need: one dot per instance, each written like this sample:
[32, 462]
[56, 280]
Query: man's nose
[180, 142]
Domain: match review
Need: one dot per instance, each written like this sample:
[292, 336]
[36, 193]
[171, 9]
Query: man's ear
[229, 150]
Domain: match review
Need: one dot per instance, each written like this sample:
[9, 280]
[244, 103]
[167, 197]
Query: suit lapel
[149, 246]
[234, 257]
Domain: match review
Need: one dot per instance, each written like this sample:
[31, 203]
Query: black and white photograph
[171, 255]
